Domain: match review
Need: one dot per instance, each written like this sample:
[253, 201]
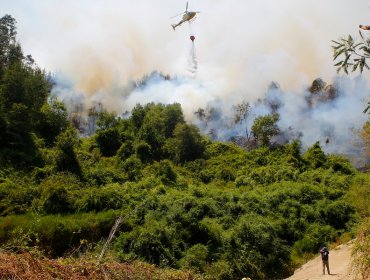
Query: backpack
[325, 255]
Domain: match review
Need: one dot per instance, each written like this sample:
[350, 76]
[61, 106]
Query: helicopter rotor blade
[187, 4]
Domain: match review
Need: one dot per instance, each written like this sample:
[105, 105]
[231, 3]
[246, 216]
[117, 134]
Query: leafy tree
[25, 114]
[315, 156]
[54, 120]
[106, 120]
[151, 242]
[352, 54]
[152, 132]
[187, 144]
[172, 115]
[143, 151]
[126, 150]
[195, 257]
[66, 158]
[137, 116]
[265, 127]
[108, 141]
[165, 172]
[54, 200]
[132, 167]
[8, 32]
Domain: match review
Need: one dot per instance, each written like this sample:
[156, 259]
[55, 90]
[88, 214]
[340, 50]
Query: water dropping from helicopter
[189, 16]
[192, 59]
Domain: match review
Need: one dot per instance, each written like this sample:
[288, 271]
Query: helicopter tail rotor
[187, 4]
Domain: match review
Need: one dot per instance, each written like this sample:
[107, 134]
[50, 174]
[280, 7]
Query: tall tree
[25, 111]
[264, 128]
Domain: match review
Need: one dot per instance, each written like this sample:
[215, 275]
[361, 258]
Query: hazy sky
[100, 45]
[95, 47]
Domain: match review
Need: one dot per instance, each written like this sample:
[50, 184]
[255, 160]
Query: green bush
[101, 199]
[56, 234]
[151, 243]
[165, 172]
[195, 258]
[132, 168]
[316, 237]
[108, 141]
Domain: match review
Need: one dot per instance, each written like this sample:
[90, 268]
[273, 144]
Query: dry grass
[27, 266]
[361, 251]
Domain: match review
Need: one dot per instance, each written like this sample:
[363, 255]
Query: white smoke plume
[98, 49]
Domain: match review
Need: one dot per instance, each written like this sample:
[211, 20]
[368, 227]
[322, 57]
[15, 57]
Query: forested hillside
[187, 202]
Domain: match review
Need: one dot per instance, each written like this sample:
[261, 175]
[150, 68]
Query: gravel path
[339, 262]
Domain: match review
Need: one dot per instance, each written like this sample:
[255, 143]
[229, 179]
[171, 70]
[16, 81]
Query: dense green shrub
[132, 168]
[195, 257]
[56, 234]
[65, 156]
[186, 202]
[151, 243]
[316, 236]
[101, 199]
[108, 141]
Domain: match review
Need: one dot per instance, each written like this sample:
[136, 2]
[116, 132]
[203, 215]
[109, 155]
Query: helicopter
[187, 16]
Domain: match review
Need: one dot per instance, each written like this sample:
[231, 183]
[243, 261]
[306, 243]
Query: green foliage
[55, 234]
[56, 194]
[106, 120]
[265, 127]
[152, 132]
[16, 195]
[361, 251]
[257, 249]
[186, 201]
[315, 157]
[26, 114]
[143, 151]
[359, 195]
[137, 116]
[108, 141]
[316, 237]
[54, 200]
[165, 172]
[101, 199]
[173, 116]
[65, 157]
[150, 243]
[195, 257]
[53, 120]
[352, 54]
[187, 144]
[126, 150]
[132, 167]
[340, 165]
[8, 32]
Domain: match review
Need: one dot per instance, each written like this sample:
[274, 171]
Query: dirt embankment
[339, 263]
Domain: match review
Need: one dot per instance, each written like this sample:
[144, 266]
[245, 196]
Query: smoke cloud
[97, 50]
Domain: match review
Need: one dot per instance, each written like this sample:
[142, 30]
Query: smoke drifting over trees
[97, 52]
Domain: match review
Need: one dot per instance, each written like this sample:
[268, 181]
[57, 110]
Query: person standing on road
[325, 259]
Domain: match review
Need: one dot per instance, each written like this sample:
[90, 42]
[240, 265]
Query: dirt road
[339, 262]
